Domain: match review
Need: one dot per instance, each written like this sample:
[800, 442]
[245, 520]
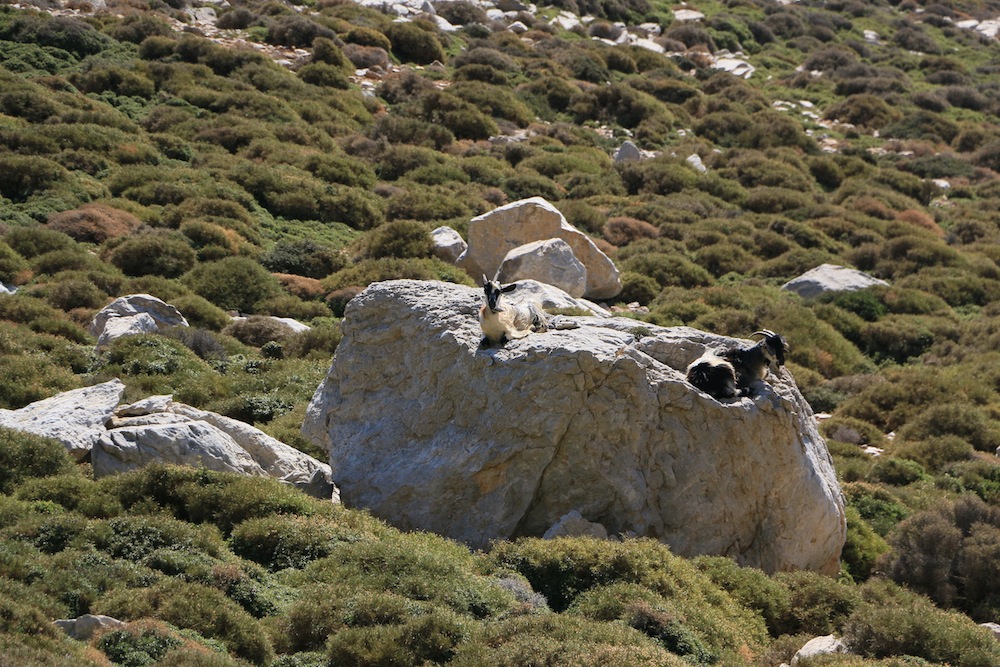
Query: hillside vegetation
[140, 155]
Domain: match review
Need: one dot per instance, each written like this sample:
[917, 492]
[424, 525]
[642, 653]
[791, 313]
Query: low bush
[257, 330]
[200, 608]
[25, 456]
[411, 42]
[158, 254]
[433, 638]
[398, 239]
[233, 283]
[818, 605]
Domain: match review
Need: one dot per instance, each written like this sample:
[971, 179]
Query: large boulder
[431, 432]
[830, 278]
[492, 235]
[550, 261]
[75, 418]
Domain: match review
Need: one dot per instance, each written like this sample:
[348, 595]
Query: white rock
[595, 419]
[688, 15]
[4, 289]
[552, 298]
[492, 235]
[448, 244]
[162, 313]
[550, 261]
[830, 278]
[574, 525]
[649, 45]
[146, 406]
[275, 457]
[627, 152]
[192, 443]
[84, 627]
[695, 161]
[992, 627]
[75, 418]
[517, 27]
[129, 325]
[819, 646]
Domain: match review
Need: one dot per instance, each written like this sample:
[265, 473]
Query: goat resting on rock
[501, 321]
[732, 371]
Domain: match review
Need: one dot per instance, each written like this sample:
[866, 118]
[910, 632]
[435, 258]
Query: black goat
[731, 371]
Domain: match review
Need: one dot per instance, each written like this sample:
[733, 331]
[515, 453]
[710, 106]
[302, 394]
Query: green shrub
[257, 330]
[71, 491]
[138, 646]
[433, 638]
[419, 566]
[818, 605]
[862, 548]
[200, 608]
[412, 43]
[203, 496]
[279, 542]
[233, 283]
[25, 456]
[200, 312]
[916, 628]
[136, 537]
[668, 270]
[399, 239]
[368, 271]
[31, 242]
[750, 587]
[159, 254]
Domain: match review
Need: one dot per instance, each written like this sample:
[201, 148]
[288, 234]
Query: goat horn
[764, 332]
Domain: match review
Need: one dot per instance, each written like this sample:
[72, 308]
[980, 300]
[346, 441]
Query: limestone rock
[275, 457]
[75, 418]
[195, 443]
[550, 261]
[830, 278]
[420, 421]
[448, 244]
[695, 161]
[162, 313]
[628, 152]
[551, 298]
[129, 325]
[84, 627]
[992, 627]
[492, 235]
[818, 646]
[574, 525]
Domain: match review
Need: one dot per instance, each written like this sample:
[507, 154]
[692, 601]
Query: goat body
[501, 322]
[732, 371]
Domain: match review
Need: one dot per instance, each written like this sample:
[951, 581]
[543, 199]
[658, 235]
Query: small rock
[627, 152]
[574, 525]
[819, 646]
[830, 278]
[550, 261]
[84, 627]
[448, 244]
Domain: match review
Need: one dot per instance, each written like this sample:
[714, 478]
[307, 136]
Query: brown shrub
[300, 286]
[920, 219]
[623, 230]
[94, 223]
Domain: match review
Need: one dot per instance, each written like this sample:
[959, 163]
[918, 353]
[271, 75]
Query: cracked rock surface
[430, 432]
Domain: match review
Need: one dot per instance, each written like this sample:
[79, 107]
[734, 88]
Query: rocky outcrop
[492, 235]
[551, 262]
[84, 627]
[92, 425]
[551, 298]
[133, 314]
[75, 418]
[431, 432]
[830, 278]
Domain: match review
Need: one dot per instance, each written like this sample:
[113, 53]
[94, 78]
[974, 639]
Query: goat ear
[509, 288]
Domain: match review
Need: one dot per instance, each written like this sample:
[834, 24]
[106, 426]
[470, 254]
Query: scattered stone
[685, 15]
[826, 645]
[574, 525]
[830, 278]
[628, 152]
[4, 289]
[448, 244]
[83, 628]
[492, 235]
[550, 261]
[695, 161]
[595, 419]
[163, 314]
[75, 418]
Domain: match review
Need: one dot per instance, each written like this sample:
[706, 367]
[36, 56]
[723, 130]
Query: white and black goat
[732, 371]
[501, 321]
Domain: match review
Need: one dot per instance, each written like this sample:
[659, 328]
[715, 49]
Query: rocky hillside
[274, 159]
